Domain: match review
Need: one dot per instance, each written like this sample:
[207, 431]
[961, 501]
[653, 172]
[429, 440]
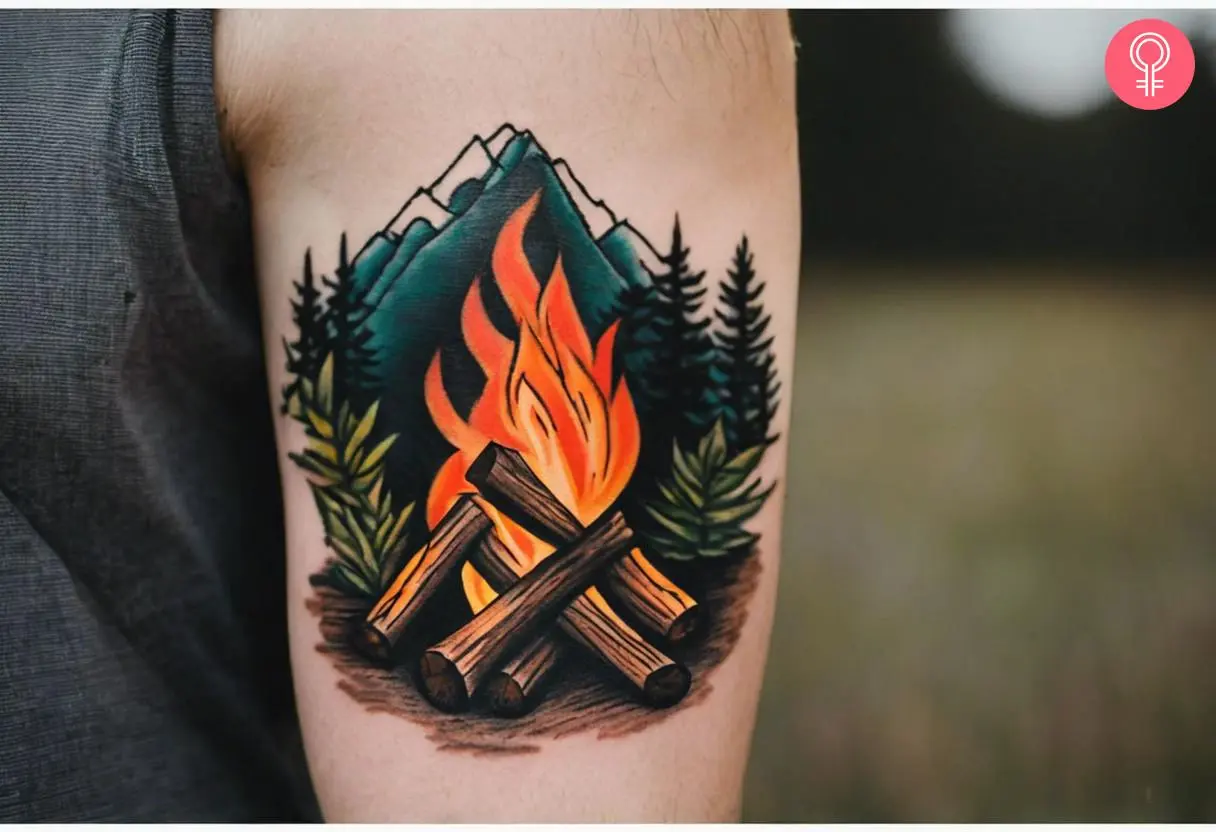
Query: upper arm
[467, 237]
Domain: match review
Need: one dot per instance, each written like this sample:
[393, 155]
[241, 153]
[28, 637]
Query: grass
[998, 589]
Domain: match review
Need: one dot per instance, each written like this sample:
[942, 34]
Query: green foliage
[346, 473]
[701, 509]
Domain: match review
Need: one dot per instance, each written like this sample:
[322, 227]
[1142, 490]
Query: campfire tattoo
[534, 442]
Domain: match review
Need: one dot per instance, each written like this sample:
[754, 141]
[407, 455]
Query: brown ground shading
[582, 697]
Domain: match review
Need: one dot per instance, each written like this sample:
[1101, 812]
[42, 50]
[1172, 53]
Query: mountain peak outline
[482, 168]
[478, 156]
[448, 226]
[481, 160]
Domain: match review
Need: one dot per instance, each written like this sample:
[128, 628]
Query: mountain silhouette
[415, 273]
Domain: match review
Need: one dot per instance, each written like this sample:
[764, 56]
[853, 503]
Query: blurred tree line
[905, 156]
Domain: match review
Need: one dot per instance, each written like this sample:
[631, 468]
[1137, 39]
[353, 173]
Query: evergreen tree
[683, 353]
[748, 389]
[345, 320]
[306, 354]
[635, 341]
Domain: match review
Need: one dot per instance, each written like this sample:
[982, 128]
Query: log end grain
[506, 696]
[371, 643]
[442, 683]
[686, 625]
[667, 685]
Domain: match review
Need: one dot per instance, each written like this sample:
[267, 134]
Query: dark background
[998, 587]
[905, 156]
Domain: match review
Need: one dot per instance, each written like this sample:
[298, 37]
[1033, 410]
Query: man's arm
[529, 293]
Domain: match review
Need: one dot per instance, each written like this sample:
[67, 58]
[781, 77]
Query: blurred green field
[998, 590]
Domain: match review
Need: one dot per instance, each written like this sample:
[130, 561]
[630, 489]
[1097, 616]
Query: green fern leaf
[352, 579]
[738, 513]
[674, 526]
[345, 550]
[701, 508]
[736, 471]
[318, 468]
[322, 427]
[362, 430]
[364, 482]
[308, 391]
[325, 385]
[736, 541]
[367, 554]
[687, 466]
[344, 423]
[348, 485]
[681, 497]
[345, 497]
[377, 453]
[394, 535]
[713, 448]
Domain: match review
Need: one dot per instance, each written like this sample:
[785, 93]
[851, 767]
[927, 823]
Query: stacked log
[542, 613]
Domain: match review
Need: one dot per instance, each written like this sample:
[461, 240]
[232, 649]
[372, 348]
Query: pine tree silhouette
[345, 319]
[306, 354]
[748, 390]
[635, 342]
[679, 379]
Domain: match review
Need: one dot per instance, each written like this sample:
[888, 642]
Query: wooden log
[451, 541]
[653, 598]
[511, 690]
[455, 668]
[506, 482]
[589, 621]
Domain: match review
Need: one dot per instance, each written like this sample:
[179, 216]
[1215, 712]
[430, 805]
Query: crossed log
[589, 621]
[464, 525]
[508, 484]
[507, 649]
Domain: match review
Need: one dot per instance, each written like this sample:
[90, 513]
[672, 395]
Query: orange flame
[548, 395]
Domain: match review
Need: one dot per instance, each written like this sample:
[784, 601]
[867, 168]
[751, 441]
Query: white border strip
[634, 4]
[631, 827]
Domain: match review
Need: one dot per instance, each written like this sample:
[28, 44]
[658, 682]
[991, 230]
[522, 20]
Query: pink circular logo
[1150, 64]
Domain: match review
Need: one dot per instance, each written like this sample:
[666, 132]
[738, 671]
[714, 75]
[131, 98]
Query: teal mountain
[413, 275]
